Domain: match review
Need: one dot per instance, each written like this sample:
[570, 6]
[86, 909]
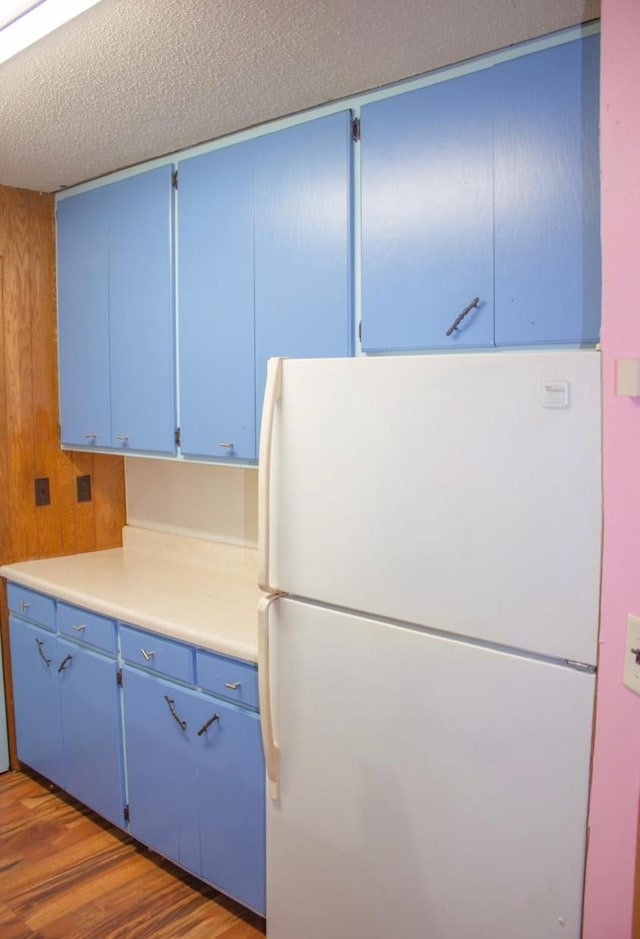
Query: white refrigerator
[430, 539]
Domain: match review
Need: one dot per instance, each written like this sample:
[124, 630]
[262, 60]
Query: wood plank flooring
[66, 874]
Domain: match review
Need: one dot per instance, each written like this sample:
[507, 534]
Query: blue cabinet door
[34, 664]
[231, 796]
[141, 312]
[89, 697]
[160, 729]
[83, 319]
[427, 216]
[547, 242]
[215, 304]
[303, 304]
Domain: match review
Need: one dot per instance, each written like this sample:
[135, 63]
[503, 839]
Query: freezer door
[458, 492]
[428, 788]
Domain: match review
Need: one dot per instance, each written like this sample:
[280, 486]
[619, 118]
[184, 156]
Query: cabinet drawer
[92, 628]
[235, 680]
[156, 653]
[31, 605]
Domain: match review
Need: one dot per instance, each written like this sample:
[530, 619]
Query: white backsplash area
[196, 500]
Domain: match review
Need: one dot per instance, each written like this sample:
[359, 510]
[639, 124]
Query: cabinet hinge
[126, 813]
[119, 681]
[177, 436]
[355, 129]
[174, 179]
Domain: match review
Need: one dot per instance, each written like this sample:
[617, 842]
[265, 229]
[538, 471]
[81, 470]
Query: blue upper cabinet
[485, 186]
[83, 319]
[141, 312]
[115, 315]
[427, 217]
[215, 304]
[264, 269]
[547, 242]
[303, 305]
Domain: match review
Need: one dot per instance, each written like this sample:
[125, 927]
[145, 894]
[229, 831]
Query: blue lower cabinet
[195, 774]
[160, 727]
[34, 664]
[231, 797]
[89, 698]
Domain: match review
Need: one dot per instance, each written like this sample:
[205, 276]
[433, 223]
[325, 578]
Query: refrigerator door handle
[272, 395]
[271, 748]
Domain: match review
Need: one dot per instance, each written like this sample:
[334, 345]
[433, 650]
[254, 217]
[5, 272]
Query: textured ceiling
[134, 79]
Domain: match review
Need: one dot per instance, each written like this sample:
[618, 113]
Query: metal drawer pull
[458, 320]
[79, 629]
[233, 685]
[227, 446]
[90, 436]
[24, 606]
[174, 713]
[205, 727]
[147, 656]
[46, 661]
[64, 663]
[123, 437]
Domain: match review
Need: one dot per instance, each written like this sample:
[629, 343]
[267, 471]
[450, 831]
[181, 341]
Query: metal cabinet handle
[46, 661]
[24, 606]
[64, 663]
[227, 446]
[90, 436]
[79, 629]
[147, 656]
[205, 727]
[458, 319]
[174, 713]
[233, 685]
[123, 437]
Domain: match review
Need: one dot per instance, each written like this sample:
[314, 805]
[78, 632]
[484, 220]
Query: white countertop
[203, 592]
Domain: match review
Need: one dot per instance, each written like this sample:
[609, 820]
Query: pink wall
[616, 779]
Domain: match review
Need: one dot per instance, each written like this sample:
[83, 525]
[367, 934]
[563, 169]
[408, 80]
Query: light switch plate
[631, 677]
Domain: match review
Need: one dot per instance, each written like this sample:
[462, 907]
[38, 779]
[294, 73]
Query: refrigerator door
[428, 787]
[457, 492]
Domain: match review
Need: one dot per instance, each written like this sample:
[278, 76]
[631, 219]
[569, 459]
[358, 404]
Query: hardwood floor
[66, 874]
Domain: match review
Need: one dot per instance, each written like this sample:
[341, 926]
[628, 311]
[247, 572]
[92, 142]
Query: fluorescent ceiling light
[23, 23]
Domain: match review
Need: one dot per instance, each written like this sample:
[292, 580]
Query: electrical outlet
[631, 678]
[83, 488]
[41, 487]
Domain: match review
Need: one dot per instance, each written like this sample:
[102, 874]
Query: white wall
[198, 500]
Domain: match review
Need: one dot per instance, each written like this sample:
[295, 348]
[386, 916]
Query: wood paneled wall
[29, 447]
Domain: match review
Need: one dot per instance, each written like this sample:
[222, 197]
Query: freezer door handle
[271, 748]
[273, 392]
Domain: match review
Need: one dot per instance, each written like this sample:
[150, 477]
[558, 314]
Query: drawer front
[156, 653]
[231, 678]
[31, 605]
[92, 628]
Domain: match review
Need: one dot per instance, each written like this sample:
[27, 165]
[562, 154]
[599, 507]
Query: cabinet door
[427, 216]
[303, 243]
[231, 797]
[91, 729]
[547, 196]
[83, 319]
[161, 765]
[215, 304]
[141, 312]
[34, 663]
